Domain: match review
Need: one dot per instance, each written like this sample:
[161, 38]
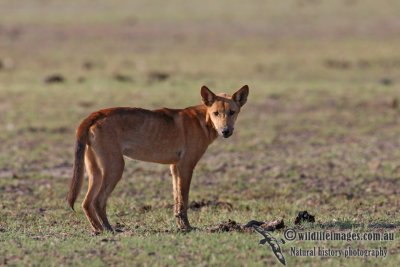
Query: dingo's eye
[231, 112]
[216, 113]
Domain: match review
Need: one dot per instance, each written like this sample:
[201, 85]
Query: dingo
[178, 137]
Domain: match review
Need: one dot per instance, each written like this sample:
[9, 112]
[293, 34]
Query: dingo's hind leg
[112, 165]
[94, 175]
[111, 177]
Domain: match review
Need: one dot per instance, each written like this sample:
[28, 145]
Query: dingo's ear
[240, 96]
[208, 97]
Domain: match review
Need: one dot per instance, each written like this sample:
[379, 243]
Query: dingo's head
[223, 109]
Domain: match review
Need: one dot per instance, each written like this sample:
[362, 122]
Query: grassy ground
[320, 131]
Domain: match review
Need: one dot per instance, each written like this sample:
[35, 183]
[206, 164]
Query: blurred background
[263, 40]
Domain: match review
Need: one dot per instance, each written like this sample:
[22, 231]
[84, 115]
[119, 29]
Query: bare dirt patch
[122, 78]
[158, 76]
[54, 78]
[198, 205]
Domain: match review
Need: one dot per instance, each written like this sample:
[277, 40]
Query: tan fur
[178, 137]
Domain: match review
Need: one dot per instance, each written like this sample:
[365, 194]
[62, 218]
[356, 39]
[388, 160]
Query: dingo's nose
[226, 132]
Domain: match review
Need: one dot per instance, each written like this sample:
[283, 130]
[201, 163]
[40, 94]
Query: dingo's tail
[79, 163]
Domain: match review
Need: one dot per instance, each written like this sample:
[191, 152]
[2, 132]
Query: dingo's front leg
[181, 177]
